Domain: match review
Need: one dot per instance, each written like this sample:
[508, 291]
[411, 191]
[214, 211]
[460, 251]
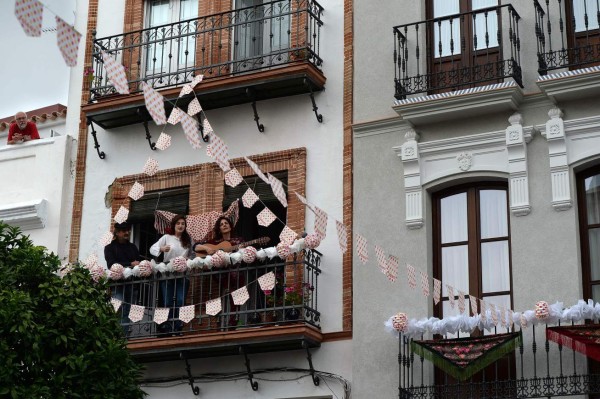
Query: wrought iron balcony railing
[535, 368]
[578, 41]
[256, 38]
[292, 300]
[457, 51]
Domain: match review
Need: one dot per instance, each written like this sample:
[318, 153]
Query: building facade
[481, 140]
[275, 89]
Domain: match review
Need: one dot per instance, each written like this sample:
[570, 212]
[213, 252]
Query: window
[172, 44]
[588, 193]
[247, 226]
[472, 244]
[583, 35]
[141, 215]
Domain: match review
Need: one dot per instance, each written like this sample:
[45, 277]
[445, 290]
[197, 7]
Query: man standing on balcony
[22, 130]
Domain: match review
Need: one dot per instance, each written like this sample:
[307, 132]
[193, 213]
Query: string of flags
[30, 14]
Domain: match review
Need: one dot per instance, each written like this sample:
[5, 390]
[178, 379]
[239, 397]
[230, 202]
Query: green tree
[59, 337]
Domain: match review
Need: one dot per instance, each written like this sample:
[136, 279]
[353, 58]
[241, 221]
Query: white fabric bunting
[213, 307]
[411, 276]
[163, 142]
[437, 291]
[191, 130]
[136, 313]
[265, 217]
[461, 302]
[267, 281]
[115, 73]
[320, 222]
[391, 271]
[240, 296]
[361, 248]
[249, 198]
[194, 107]
[186, 89]
[175, 116]
[473, 300]
[155, 104]
[122, 215]
[450, 295]
[136, 192]
[342, 236]
[150, 167]
[424, 283]
[257, 170]
[30, 14]
[116, 303]
[278, 190]
[197, 79]
[233, 178]
[105, 239]
[217, 150]
[287, 235]
[91, 261]
[301, 198]
[68, 40]
[161, 315]
[186, 313]
[381, 261]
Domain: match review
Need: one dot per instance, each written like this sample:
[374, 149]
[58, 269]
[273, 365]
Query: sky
[33, 73]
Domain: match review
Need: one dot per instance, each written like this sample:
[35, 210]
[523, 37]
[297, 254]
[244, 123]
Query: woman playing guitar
[221, 234]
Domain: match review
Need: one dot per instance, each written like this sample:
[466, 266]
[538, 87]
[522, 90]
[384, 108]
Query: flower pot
[292, 314]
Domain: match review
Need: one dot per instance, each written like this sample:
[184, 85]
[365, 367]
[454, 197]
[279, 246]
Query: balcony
[568, 34]
[458, 51]
[537, 367]
[287, 318]
[246, 55]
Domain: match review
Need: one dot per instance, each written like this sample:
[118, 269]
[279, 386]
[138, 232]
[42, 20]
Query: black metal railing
[242, 40]
[536, 368]
[457, 51]
[577, 43]
[293, 299]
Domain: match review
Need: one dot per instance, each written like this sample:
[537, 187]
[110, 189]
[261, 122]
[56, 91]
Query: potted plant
[296, 296]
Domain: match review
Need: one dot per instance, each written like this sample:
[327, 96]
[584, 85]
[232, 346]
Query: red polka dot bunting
[191, 129]
[154, 104]
[67, 39]
[265, 217]
[249, 198]
[233, 178]
[30, 16]
[115, 73]
[194, 107]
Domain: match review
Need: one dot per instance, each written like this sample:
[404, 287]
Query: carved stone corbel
[559, 163]
[516, 147]
[412, 180]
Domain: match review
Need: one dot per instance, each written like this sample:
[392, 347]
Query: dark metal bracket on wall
[101, 154]
[195, 389]
[250, 94]
[312, 99]
[145, 118]
[253, 383]
[200, 116]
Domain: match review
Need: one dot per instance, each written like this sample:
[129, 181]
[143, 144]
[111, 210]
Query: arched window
[471, 238]
[588, 196]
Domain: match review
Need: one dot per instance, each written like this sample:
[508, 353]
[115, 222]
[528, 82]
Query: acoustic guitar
[227, 247]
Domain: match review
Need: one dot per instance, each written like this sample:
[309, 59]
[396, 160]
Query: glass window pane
[455, 269]
[448, 311]
[592, 199]
[493, 213]
[594, 242]
[596, 293]
[581, 8]
[495, 271]
[454, 218]
[498, 300]
[446, 29]
[483, 24]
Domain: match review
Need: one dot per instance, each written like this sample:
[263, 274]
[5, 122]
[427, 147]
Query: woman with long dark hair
[173, 290]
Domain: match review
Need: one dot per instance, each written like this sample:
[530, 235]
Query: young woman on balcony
[173, 290]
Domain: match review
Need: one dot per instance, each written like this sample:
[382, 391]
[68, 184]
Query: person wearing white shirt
[173, 290]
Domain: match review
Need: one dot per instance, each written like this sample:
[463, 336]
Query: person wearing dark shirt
[121, 251]
[22, 130]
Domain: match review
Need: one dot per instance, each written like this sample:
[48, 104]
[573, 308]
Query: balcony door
[170, 39]
[463, 44]
[583, 19]
[262, 33]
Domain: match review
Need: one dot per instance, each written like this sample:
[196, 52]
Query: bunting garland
[343, 236]
[361, 248]
[437, 291]
[411, 276]
[29, 13]
[391, 271]
[424, 283]
[450, 295]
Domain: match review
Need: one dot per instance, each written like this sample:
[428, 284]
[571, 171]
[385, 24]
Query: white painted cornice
[25, 215]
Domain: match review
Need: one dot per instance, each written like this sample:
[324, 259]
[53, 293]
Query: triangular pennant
[287, 236]
[361, 248]
[391, 271]
[461, 302]
[450, 295]
[437, 291]
[194, 107]
[257, 170]
[424, 283]
[186, 89]
[136, 192]
[115, 73]
[163, 142]
[136, 313]
[30, 14]
[105, 239]
[161, 315]
[150, 167]
[494, 314]
[265, 217]
[249, 198]
[473, 300]
[175, 116]
[482, 310]
[449, 354]
[186, 313]
[301, 198]
[91, 260]
[380, 256]
[240, 296]
[155, 104]
[233, 178]
[217, 150]
[523, 321]
[278, 190]
[320, 222]
[206, 127]
[267, 281]
[191, 130]
[503, 322]
[197, 79]
[68, 40]
[411, 276]
[122, 215]
[342, 236]
[510, 318]
[213, 307]
[116, 303]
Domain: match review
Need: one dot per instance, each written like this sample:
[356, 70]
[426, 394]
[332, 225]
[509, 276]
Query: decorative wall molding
[25, 215]
[559, 161]
[503, 151]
